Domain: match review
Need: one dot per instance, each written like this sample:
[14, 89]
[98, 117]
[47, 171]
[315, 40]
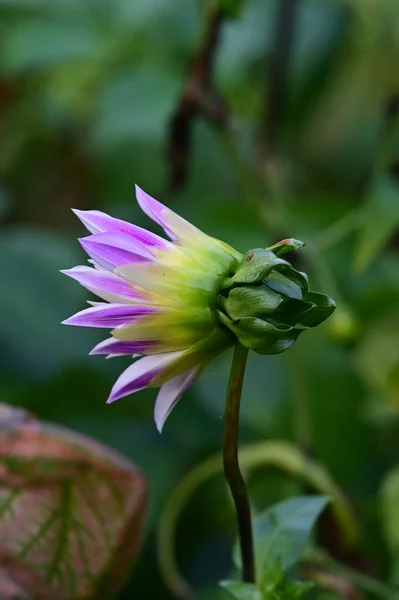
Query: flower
[178, 304]
[160, 299]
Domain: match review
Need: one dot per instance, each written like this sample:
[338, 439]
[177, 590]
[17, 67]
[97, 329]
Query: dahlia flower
[178, 304]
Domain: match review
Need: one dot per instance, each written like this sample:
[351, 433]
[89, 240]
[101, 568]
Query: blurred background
[256, 120]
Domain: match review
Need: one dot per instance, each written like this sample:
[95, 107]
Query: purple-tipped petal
[104, 284]
[153, 209]
[111, 250]
[98, 222]
[113, 346]
[140, 374]
[174, 226]
[108, 315]
[169, 395]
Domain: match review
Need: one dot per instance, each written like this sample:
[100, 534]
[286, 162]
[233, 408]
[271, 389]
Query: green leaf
[282, 532]
[389, 502]
[276, 585]
[294, 590]
[71, 509]
[381, 217]
[242, 591]
[276, 589]
[272, 577]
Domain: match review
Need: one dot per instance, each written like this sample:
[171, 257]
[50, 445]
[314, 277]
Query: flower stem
[232, 471]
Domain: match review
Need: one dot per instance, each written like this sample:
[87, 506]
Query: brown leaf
[70, 508]
[18, 582]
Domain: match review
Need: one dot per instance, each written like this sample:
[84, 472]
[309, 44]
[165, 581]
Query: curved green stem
[372, 586]
[232, 471]
[168, 522]
[333, 234]
[282, 455]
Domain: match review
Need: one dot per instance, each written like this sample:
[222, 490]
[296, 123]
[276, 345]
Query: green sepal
[260, 335]
[288, 281]
[248, 301]
[293, 311]
[255, 267]
[287, 245]
[324, 306]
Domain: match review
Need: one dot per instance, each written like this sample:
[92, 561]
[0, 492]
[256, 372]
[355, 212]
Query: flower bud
[267, 303]
[179, 304]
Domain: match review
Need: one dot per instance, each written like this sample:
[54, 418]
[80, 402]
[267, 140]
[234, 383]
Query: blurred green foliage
[87, 90]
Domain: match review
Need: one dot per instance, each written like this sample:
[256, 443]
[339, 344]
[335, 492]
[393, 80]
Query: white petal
[169, 395]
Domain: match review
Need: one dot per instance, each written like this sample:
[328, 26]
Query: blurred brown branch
[199, 97]
[278, 66]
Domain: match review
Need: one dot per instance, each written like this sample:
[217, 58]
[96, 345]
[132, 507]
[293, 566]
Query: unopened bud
[267, 303]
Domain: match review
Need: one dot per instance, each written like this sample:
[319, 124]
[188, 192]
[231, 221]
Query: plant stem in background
[232, 471]
[278, 66]
[372, 586]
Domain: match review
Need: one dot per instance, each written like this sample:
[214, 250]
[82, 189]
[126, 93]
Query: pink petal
[108, 315]
[175, 226]
[153, 209]
[104, 284]
[98, 222]
[111, 250]
[113, 346]
[140, 374]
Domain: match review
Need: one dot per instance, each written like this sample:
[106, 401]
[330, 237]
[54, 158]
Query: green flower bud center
[267, 303]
